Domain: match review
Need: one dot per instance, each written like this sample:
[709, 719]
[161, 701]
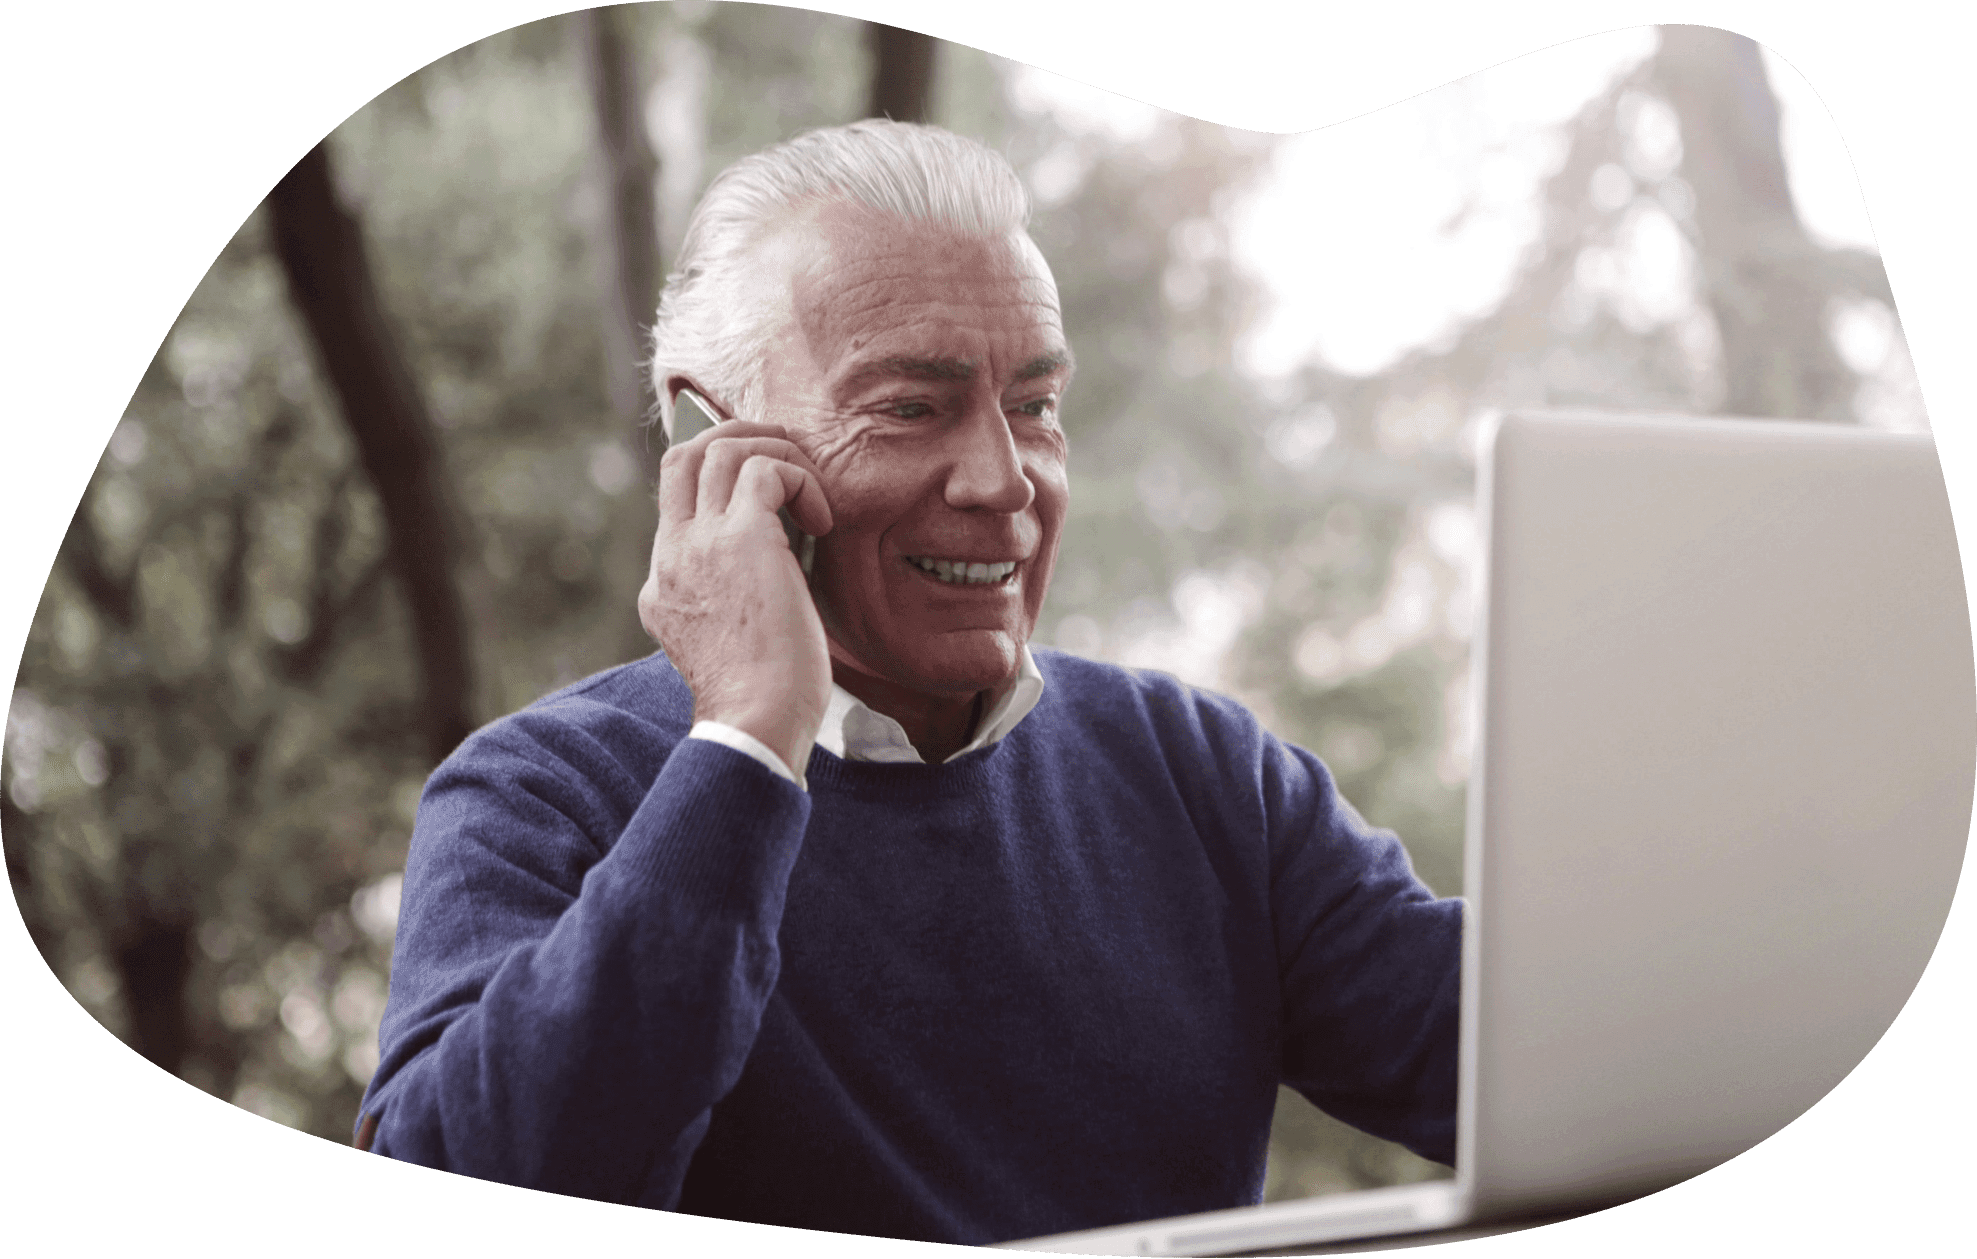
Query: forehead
[862, 283]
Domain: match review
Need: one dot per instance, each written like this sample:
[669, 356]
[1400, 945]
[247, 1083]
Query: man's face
[921, 371]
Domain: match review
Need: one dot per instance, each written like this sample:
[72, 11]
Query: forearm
[583, 1060]
[1371, 969]
[1373, 1026]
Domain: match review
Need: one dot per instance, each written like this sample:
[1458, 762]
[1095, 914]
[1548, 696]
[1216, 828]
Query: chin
[967, 661]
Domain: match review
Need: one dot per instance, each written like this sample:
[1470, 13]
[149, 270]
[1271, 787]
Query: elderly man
[849, 911]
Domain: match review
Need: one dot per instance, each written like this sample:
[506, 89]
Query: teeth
[964, 574]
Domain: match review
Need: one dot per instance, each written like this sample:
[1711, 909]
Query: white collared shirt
[855, 731]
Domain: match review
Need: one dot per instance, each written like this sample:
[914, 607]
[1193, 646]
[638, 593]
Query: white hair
[709, 332]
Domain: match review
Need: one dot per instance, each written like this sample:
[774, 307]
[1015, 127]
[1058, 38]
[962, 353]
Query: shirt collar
[854, 731]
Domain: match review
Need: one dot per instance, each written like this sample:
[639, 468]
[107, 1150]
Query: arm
[566, 1022]
[1371, 964]
[583, 958]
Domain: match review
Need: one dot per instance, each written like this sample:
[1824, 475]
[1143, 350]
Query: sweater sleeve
[1370, 959]
[580, 968]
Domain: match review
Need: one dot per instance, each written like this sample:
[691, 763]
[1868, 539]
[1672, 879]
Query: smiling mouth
[963, 573]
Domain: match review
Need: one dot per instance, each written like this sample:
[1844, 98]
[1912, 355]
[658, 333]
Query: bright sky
[1348, 230]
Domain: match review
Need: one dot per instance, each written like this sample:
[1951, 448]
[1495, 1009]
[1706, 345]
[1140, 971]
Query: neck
[937, 725]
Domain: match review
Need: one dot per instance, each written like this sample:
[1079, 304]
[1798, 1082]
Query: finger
[808, 507]
[743, 428]
[718, 471]
[803, 494]
[769, 484]
[679, 467]
[679, 483]
[724, 460]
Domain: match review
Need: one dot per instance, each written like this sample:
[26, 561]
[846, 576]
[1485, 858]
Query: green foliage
[202, 765]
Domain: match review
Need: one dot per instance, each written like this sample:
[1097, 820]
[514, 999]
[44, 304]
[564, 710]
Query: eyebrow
[1045, 364]
[953, 368]
[917, 369]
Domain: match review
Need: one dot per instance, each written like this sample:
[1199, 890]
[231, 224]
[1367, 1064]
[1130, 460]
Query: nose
[987, 473]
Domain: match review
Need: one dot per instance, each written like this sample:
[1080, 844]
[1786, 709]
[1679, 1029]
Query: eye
[1041, 408]
[910, 410]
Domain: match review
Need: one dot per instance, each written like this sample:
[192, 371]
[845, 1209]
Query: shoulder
[604, 737]
[1145, 707]
[643, 702]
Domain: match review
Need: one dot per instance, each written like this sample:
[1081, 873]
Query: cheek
[1053, 489]
[1053, 503]
[874, 480]
[857, 479]
[862, 507]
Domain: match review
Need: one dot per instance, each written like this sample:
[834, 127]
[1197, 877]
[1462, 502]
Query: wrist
[784, 733]
[751, 747]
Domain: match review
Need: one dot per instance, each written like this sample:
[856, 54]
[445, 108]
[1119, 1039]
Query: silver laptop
[1718, 806]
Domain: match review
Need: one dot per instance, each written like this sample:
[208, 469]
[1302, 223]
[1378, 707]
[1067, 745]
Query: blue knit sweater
[1050, 985]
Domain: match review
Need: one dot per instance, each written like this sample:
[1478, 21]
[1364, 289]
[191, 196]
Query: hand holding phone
[694, 415]
[732, 613]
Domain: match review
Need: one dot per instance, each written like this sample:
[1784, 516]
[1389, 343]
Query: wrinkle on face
[836, 447]
[881, 320]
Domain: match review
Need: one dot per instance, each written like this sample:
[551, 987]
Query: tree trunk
[902, 73]
[153, 963]
[321, 247]
[1761, 274]
[631, 235]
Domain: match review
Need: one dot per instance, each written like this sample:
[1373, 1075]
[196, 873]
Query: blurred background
[384, 481]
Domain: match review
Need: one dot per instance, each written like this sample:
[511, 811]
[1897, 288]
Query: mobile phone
[694, 415]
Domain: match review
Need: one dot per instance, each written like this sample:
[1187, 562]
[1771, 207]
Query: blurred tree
[629, 243]
[322, 251]
[777, 71]
[1768, 286]
[1641, 165]
[20, 876]
[170, 782]
[902, 73]
[214, 740]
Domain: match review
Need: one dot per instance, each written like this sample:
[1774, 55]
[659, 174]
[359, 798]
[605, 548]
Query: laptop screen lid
[1718, 803]
[1722, 787]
